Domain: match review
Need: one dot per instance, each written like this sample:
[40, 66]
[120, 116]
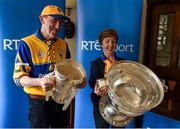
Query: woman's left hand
[101, 91]
[104, 90]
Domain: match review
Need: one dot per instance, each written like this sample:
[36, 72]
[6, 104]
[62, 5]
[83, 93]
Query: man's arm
[45, 82]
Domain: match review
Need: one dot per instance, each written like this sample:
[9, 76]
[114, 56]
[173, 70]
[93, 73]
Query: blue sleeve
[24, 53]
[23, 62]
[94, 70]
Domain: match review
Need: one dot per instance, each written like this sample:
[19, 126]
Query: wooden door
[162, 51]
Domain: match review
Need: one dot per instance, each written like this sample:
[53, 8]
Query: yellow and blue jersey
[32, 59]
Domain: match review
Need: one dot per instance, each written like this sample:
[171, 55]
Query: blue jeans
[45, 114]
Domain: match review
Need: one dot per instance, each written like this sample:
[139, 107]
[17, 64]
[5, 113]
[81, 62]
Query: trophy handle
[71, 94]
[68, 74]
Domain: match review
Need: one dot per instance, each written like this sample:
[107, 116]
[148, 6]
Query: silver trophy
[133, 90]
[68, 74]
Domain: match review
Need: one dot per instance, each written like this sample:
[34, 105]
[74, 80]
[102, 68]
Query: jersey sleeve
[23, 62]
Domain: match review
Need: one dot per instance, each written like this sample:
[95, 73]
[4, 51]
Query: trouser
[139, 121]
[45, 114]
[99, 120]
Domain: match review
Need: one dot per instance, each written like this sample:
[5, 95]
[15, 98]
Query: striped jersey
[32, 59]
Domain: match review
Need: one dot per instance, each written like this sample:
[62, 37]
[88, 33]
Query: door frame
[145, 38]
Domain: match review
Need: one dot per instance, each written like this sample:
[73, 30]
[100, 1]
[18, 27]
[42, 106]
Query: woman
[99, 68]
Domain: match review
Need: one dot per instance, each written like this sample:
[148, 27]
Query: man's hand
[47, 83]
[83, 84]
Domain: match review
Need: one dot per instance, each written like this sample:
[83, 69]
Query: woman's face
[109, 46]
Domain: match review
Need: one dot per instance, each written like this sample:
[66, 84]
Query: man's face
[51, 26]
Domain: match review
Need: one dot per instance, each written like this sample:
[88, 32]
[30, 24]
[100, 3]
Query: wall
[72, 41]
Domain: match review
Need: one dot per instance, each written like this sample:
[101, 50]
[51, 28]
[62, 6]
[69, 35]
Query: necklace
[51, 54]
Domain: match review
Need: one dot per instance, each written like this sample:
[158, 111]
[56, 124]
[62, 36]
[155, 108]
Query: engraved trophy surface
[133, 90]
[69, 74]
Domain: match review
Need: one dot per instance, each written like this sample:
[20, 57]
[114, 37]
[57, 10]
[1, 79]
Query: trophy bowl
[69, 74]
[133, 89]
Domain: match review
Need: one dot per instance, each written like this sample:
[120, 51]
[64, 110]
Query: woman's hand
[101, 91]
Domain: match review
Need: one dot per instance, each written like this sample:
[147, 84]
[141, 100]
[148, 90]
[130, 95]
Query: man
[36, 57]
